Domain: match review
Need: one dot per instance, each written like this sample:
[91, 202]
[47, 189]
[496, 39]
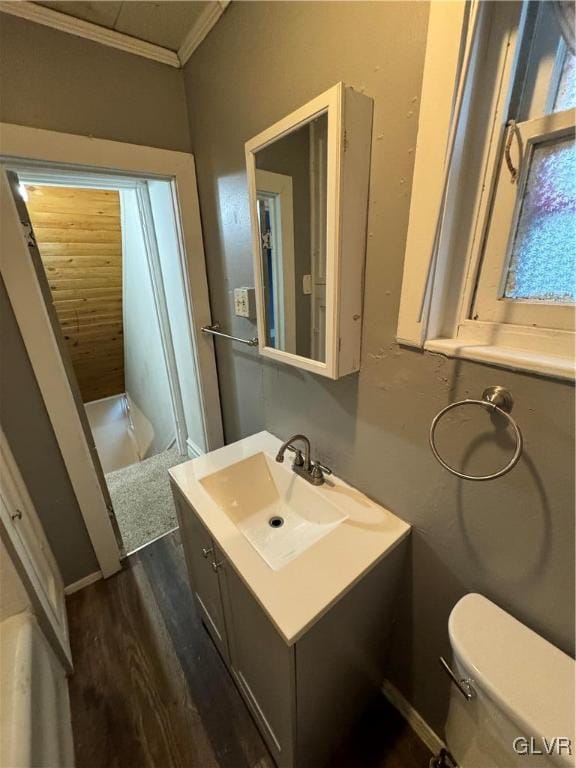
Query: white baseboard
[413, 718]
[193, 450]
[81, 583]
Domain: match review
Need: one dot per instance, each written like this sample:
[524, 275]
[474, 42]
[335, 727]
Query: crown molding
[201, 28]
[64, 23]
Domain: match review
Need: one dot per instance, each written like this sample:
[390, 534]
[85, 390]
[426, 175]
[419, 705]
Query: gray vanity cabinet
[262, 665]
[202, 557]
[304, 697]
[260, 661]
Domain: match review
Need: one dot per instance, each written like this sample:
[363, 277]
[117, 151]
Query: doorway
[101, 242]
[121, 270]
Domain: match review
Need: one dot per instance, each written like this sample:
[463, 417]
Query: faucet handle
[317, 473]
[298, 458]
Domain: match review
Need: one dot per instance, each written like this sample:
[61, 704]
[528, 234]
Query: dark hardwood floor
[151, 691]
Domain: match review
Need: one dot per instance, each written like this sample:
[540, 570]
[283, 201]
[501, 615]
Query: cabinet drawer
[201, 556]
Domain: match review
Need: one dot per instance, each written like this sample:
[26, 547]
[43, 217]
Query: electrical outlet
[244, 303]
[306, 284]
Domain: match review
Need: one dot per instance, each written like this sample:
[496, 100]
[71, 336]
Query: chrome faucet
[312, 471]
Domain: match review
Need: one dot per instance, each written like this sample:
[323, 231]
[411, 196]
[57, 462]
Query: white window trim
[455, 32]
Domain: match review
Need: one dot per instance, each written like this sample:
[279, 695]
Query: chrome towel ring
[494, 399]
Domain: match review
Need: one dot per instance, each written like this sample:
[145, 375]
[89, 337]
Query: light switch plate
[307, 284]
[244, 303]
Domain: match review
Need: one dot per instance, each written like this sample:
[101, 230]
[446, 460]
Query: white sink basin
[279, 513]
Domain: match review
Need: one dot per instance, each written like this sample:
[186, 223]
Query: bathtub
[35, 725]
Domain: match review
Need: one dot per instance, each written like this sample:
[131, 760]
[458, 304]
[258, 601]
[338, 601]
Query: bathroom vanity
[300, 611]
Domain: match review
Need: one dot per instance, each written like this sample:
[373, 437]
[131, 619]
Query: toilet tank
[523, 712]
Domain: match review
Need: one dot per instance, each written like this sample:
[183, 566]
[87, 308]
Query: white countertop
[298, 594]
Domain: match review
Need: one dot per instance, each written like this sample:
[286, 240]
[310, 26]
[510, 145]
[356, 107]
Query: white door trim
[19, 143]
[278, 186]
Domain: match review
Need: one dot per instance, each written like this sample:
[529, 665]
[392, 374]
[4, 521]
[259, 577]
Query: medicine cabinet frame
[349, 137]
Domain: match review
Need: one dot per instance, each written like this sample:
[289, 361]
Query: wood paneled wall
[80, 240]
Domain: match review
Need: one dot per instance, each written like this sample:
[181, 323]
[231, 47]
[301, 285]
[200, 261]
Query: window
[541, 266]
[527, 274]
[499, 279]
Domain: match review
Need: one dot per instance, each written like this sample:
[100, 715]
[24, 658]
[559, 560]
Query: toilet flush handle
[464, 684]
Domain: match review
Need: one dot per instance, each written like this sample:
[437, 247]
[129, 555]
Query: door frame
[278, 187]
[21, 144]
[57, 176]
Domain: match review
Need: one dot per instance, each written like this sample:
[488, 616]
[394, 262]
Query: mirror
[308, 178]
[291, 202]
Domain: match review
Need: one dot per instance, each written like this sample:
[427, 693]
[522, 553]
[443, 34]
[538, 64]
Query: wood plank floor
[151, 691]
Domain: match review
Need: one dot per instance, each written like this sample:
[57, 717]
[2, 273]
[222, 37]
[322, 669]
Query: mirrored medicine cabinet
[308, 180]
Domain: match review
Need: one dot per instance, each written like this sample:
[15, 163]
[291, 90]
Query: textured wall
[512, 539]
[64, 83]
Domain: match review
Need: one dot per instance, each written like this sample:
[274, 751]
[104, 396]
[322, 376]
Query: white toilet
[522, 708]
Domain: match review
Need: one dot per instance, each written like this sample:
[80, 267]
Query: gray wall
[511, 539]
[144, 365]
[29, 432]
[64, 83]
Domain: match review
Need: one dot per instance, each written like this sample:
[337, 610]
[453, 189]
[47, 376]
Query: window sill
[553, 366]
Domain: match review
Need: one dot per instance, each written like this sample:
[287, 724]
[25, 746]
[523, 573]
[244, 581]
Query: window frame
[556, 78]
[489, 301]
[439, 285]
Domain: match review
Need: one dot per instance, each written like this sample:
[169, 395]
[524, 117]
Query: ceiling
[162, 23]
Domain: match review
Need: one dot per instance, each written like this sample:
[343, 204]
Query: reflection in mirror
[291, 192]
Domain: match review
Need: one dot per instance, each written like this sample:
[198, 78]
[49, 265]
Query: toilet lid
[530, 679]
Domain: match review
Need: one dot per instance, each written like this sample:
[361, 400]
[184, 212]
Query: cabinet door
[201, 558]
[25, 540]
[262, 664]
